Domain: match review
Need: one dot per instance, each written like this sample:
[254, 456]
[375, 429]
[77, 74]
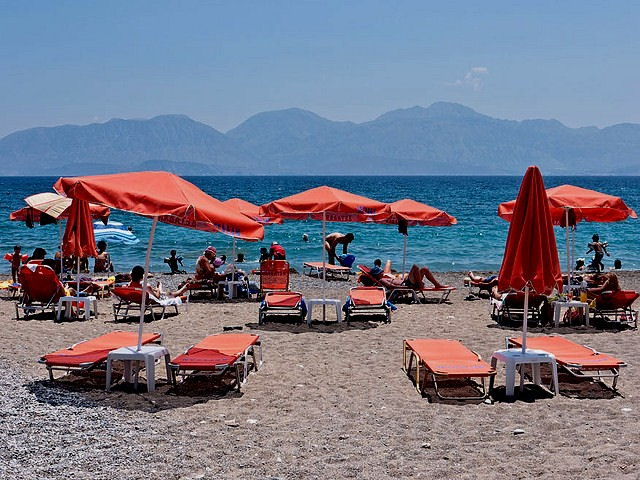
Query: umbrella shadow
[451, 388]
[282, 325]
[88, 389]
[529, 394]
[148, 318]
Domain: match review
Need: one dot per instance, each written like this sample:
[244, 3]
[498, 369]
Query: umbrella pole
[147, 262]
[324, 265]
[233, 256]
[78, 276]
[61, 253]
[524, 321]
[566, 229]
[404, 256]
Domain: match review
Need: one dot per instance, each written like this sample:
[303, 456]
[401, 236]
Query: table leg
[494, 363]
[535, 370]
[586, 315]
[167, 360]
[510, 378]
[556, 315]
[59, 310]
[309, 312]
[554, 371]
[127, 370]
[150, 367]
[109, 367]
[338, 312]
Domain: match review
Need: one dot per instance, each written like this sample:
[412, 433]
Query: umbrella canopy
[586, 205]
[417, 213]
[530, 254]
[32, 215]
[250, 210]
[164, 196]
[410, 212]
[78, 237]
[332, 204]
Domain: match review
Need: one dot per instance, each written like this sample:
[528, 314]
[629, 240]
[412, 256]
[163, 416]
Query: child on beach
[173, 261]
[600, 248]
[16, 260]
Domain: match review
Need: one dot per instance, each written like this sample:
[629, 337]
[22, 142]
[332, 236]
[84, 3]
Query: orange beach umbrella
[530, 254]
[250, 210]
[166, 198]
[32, 215]
[408, 212]
[78, 239]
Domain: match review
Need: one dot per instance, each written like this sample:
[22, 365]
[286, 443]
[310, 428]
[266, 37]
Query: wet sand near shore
[329, 401]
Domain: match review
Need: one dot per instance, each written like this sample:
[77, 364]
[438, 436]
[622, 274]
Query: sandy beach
[330, 401]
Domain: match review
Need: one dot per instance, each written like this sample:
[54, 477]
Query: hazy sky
[86, 61]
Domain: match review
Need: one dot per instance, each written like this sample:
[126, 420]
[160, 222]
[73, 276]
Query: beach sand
[329, 402]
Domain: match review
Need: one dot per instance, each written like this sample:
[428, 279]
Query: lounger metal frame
[241, 366]
[500, 310]
[352, 308]
[421, 386]
[621, 315]
[87, 366]
[331, 270]
[575, 370]
[128, 306]
[265, 311]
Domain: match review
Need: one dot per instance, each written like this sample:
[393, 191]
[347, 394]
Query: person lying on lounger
[414, 279]
[137, 274]
[609, 283]
[481, 279]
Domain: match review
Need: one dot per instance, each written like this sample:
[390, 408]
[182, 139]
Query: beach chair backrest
[367, 279]
[616, 300]
[40, 283]
[129, 294]
[274, 275]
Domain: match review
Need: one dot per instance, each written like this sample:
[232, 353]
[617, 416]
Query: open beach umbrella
[164, 197]
[569, 205]
[327, 204]
[78, 237]
[253, 212]
[530, 255]
[408, 212]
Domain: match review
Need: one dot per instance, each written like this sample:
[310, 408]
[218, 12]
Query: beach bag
[347, 260]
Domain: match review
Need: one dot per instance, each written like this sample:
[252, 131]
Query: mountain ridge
[443, 138]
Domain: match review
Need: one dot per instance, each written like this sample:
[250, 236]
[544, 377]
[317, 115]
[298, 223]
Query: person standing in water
[600, 249]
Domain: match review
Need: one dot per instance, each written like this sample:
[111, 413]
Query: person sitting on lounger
[481, 279]
[376, 271]
[277, 252]
[137, 275]
[103, 260]
[333, 240]
[610, 283]
[205, 268]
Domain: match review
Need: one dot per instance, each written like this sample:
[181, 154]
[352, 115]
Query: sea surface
[476, 242]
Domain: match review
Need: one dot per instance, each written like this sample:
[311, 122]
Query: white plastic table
[512, 357]
[66, 303]
[232, 287]
[324, 301]
[147, 354]
[559, 305]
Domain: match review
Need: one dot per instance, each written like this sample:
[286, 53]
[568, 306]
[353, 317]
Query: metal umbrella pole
[324, 266]
[566, 229]
[147, 263]
[404, 256]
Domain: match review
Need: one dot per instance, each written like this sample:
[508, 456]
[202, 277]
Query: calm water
[477, 242]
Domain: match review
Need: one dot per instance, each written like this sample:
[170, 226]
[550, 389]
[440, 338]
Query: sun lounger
[578, 360]
[89, 354]
[129, 299]
[274, 276]
[335, 271]
[282, 303]
[196, 287]
[445, 360]
[617, 306]
[367, 300]
[477, 287]
[398, 290]
[41, 289]
[217, 354]
[511, 307]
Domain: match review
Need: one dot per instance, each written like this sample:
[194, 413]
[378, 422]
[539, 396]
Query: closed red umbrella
[78, 237]
[530, 256]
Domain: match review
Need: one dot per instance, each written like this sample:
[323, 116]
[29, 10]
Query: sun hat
[274, 243]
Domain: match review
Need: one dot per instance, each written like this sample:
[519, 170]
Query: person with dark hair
[617, 264]
[137, 275]
[600, 249]
[264, 254]
[38, 255]
[333, 240]
[16, 261]
[103, 259]
[173, 261]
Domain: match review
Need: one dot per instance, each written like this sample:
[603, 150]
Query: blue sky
[82, 62]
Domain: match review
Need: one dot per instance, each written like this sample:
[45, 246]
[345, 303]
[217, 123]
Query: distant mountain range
[444, 138]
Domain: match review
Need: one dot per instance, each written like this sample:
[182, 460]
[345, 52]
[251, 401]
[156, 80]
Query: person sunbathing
[480, 279]
[610, 283]
[137, 275]
[414, 279]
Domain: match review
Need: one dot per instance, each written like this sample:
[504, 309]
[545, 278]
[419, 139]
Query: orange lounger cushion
[367, 296]
[282, 299]
[570, 353]
[214, 350]
[328, 266]
[96, 349]
[449, 357]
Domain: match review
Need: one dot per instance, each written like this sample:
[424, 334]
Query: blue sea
[476, 242]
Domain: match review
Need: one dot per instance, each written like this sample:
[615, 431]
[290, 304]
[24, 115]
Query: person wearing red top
[16, 261]
[276, 252]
